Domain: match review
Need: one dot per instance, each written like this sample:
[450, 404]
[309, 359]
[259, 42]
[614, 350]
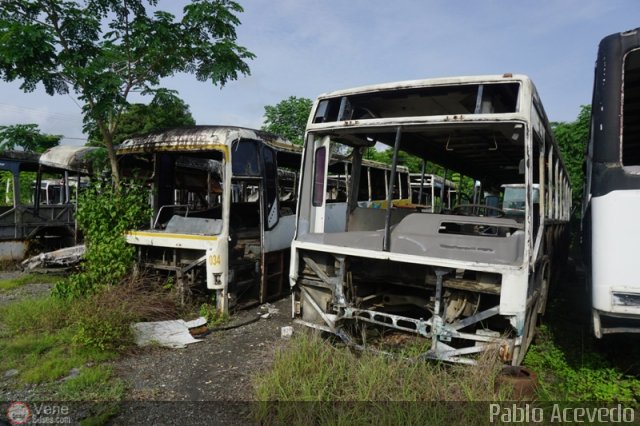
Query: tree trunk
[115, 171]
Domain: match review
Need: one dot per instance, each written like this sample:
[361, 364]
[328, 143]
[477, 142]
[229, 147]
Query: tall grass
[335, 385]
[44, 339]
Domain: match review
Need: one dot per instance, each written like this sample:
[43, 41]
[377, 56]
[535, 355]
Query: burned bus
[611, 197]
[223, 209]
[471, 278]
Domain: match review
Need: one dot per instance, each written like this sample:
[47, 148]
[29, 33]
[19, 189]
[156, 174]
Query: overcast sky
[304, 48]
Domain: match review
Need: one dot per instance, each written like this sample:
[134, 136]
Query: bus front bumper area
[461, 308]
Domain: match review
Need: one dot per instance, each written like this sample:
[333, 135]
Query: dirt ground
[211, 379]
[218, 368]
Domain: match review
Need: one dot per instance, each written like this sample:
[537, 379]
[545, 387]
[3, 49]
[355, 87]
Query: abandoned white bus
[611, 201]
[472, 278]
[220, 215]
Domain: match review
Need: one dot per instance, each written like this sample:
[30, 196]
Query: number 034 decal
[214, 259]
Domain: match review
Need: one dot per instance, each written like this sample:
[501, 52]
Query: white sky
[305, 48]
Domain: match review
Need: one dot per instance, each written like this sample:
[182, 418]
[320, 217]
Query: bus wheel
[531, 322]
[544, 277]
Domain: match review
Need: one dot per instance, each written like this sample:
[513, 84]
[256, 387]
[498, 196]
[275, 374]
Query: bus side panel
[614, 248]
[280, 237]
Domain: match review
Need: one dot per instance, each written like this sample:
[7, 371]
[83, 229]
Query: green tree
[28, 137]
[103, 50]
[413, 163]
[165, 111]
[572, 139]
[288, 118]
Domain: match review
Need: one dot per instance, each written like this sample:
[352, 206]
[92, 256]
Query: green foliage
[104, 215]
[413, 163]
[104, 50]
[104, 329]
[29, 316]
[563, 379]
[165, 111]
[27, 137]
[288, 118]
[45, 338]
[212, 315]
[572, 138]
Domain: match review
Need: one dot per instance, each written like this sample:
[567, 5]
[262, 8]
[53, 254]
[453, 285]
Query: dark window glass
[493, 98]
[363, 187]
[244, 156]
[271, 199]
[631, 110]
[378, 184]
[318, 176]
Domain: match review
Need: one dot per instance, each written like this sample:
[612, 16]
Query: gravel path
[218, 368]
[205, 380]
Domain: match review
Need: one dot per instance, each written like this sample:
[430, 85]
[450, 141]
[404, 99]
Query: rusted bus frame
[370, 166]
[211, 251]
[33, 219]
[429, 182]
[523, 284]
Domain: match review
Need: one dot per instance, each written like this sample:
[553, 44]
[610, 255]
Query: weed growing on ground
[341, 386]
[44, 339]
[96, 383]
[212, 315]
[11, 284]
[591, 379]
[40, 343]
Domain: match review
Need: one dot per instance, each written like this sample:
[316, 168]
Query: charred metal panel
[606, 123]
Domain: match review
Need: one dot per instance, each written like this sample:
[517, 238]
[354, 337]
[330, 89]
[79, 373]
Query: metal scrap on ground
[62, 258]
[171, 333]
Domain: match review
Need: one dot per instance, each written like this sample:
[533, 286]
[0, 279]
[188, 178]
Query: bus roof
[18, 160]
[442, 81]
[71, 158]
[199, 138]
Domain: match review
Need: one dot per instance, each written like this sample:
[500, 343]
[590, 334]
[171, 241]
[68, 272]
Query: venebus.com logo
[19, 413]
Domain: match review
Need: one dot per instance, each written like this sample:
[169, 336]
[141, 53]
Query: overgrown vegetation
[572, 138]
[104, 215]
[46, 339]
[581, 374]
[310, 369]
